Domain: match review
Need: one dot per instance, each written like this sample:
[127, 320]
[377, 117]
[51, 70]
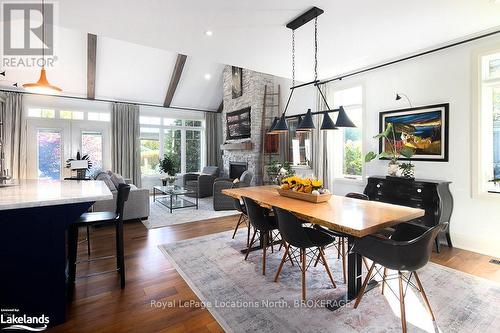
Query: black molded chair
[99, 218]
[262, 223]
[340, 244]
[301, 238]
[243, 218]
[408, 249]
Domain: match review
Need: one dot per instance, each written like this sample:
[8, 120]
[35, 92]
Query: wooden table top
[350, 216]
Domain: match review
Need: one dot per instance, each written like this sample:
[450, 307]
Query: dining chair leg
[270, 239]
[402, 302]
[317, 258]
[285, 255]
[248, 233]
[366, 263]
[250, 245]
[340, 239]
[326, 266]
[383, 279]
[424, 296]
[344, 268]
[302, 255]
[264, 249]
[237, 225]
[363, 287]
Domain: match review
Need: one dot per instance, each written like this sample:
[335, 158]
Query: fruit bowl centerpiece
[306, 189]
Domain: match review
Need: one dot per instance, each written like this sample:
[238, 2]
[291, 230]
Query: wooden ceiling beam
[91, 64]
[174, 80]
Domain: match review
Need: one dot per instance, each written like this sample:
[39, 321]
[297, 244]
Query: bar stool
[95, 218]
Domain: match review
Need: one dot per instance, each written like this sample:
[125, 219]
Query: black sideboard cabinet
[433, 196]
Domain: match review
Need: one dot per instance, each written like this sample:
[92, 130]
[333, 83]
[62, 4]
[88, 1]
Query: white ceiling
[251, 34]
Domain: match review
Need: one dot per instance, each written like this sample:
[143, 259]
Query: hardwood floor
[100, 305]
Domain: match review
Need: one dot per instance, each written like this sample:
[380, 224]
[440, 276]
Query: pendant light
[343, 120]
[42, 86]
[271, 129]
[327, 123]
[307, 123]
[281, 125]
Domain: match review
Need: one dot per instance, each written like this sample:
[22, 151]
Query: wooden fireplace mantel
[247, 145]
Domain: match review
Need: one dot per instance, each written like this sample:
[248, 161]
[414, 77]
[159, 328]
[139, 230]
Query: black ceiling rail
[444, 47]
[109, 101]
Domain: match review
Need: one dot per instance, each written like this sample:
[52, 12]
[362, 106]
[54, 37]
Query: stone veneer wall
[253, 96]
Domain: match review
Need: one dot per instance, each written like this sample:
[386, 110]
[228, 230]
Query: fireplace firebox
[236, 169]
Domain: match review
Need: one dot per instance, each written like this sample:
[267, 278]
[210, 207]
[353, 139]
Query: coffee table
[171, 197]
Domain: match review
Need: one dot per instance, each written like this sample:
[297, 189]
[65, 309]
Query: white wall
[444, 77]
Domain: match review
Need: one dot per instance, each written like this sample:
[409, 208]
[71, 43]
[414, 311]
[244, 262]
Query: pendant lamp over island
[42, 86]
[305, 121]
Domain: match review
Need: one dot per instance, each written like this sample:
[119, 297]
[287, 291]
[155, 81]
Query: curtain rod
[110, 101]
[343, 76]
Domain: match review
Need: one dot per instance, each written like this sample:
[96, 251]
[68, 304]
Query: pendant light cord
[43, 33]
[316, 48]
[293, 58]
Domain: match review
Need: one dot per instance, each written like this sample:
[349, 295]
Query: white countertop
[37, 193]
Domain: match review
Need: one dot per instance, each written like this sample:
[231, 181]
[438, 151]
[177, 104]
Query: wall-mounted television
[238, 124]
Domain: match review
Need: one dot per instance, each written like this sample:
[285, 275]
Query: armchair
[202, 182]
[222, 201]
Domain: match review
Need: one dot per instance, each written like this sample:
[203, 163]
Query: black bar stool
[95, 218]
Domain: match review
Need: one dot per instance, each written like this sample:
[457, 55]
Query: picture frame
[423, 128]
[236, 81]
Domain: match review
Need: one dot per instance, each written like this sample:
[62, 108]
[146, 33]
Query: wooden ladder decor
[271, 107]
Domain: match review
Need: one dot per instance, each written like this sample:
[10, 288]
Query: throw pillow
[236, 181]
[117, 179]
[107, 180]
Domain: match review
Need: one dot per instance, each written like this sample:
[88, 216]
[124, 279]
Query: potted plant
[393, 154]
[276, 171]
[169, 167]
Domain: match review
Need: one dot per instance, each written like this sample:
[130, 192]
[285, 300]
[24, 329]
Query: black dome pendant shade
[271, 129]
[281, 126]
[343, 120]
[327, 123]
[307, 123]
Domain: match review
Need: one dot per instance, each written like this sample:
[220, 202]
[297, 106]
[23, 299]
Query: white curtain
[14, 134]
[322, 168]
[125, 148]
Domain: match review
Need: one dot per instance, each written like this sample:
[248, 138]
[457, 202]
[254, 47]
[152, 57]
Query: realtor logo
[23, 29]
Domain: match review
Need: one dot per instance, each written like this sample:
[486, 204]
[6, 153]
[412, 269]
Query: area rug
[241, 299]
[160, 216]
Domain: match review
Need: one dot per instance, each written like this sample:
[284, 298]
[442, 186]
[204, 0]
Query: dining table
[354, 218]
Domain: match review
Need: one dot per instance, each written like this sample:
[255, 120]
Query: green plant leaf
[370, 156]
[386, 133]
[385, 154]
[407, 152]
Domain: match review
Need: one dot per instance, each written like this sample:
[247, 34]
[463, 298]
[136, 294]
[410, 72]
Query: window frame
[183, 128]
[337, 136]
[482, 129]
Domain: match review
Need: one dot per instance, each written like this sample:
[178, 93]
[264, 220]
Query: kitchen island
[34, 217]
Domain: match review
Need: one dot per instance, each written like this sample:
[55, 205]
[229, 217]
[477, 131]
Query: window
[489, 122]
[75, 115]
[49, 145]
[68, 115]
[41, 113]
[180, 139]
[99, 116]
[92, 146]
[348, 141]
[299, 145]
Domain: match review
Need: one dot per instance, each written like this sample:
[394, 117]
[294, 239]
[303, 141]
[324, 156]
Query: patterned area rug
[160, 216]
[243, 300]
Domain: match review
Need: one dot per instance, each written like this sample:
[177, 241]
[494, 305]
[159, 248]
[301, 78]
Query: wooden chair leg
[237, 225]
[302, 255]
[383, 279]
[363, 287]
[317, 258]
[344, 268]
[285, 255]
[424, 296]
[264, 249]
[326, 266]
[402, 302]
[366, 263]
[250, 245]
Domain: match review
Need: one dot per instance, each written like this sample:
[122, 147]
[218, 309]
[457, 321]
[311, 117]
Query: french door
[52, 141]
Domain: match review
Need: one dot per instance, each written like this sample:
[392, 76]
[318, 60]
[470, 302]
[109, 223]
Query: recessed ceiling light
[209, 33]
[207, 76]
